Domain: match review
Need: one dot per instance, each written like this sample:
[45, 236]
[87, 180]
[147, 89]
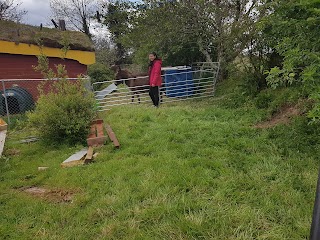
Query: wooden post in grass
[315, 225]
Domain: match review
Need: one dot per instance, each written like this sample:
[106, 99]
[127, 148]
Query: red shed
[21, 44]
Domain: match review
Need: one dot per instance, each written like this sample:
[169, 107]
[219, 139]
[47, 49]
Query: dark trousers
[154, 95]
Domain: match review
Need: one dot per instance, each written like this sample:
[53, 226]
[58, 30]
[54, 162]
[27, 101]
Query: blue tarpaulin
[179, 82]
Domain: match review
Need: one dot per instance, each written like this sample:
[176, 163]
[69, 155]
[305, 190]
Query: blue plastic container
[179, 82]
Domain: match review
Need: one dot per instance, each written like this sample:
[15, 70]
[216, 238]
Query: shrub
[99, 73]
[64, 113]
[263, 100]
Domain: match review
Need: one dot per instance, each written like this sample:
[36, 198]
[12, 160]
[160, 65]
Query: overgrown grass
[191, 170]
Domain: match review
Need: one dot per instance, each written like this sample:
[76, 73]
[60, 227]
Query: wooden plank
[75, 159]
[97, 121]
[3, 135]
[96, 141]
[93, 131]
[112, 136]
[110, 132]
[96, 136]
[89, 156]
[3, 125]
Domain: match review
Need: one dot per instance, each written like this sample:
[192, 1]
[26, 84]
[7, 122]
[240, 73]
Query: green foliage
[99, 72]
[263, 100]
[64, 113]
[232, 94]
[243, 72]
[293, 30]
[183, 32]
[64, 109]
[117, 20]
[284, 97]
[43, 67]
[105, 52]
[274, 100]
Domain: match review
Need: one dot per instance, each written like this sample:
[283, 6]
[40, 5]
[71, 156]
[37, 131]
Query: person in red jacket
[155, 79]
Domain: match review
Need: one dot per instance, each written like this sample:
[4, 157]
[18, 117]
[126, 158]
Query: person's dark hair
[156, 57]
[154, 54]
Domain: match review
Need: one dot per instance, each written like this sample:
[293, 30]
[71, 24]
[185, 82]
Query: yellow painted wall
[83, 57]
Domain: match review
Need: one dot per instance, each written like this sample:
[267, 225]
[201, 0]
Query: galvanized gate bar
[201, 84]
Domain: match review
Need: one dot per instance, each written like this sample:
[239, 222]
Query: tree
[105, 51]
[10, 10]
[218, 29]
[293, 31]
[78, 14]
[116, 18]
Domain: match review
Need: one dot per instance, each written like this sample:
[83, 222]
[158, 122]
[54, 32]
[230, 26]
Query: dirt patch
[283, 117]
[52, 195]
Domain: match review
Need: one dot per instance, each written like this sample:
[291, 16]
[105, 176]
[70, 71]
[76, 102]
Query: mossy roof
[49, 37]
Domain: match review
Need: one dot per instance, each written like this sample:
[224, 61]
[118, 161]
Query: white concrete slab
[75, 159]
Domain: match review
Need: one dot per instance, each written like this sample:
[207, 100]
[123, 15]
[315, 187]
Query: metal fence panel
[197, 82]
[20, 95]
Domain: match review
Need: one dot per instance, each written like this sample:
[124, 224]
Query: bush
[64, 113]
[263, 100]
[99, 73]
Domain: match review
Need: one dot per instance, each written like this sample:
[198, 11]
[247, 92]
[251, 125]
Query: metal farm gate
[179, 83]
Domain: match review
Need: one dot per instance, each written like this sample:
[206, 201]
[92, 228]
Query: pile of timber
[96, 138]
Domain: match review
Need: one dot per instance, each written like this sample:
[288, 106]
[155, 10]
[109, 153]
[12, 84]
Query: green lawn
[191, 170]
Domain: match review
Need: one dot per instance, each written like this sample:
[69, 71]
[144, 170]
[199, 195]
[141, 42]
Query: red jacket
[155, 73]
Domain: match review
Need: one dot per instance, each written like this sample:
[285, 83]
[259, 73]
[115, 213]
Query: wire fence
[20, 95]
[179, 83]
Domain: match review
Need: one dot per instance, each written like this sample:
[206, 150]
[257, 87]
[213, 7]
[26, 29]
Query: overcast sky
[38, 12]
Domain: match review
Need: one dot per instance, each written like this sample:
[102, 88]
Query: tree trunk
[222, 62]
[85, 27]
[204, 52]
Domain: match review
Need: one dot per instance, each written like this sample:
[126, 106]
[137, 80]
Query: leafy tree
[105, 51]
[215, 30]
[116, 18]
[293, 30]
[10, 10]
[99, 72]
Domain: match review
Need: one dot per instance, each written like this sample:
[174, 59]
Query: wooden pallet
[96, 136]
